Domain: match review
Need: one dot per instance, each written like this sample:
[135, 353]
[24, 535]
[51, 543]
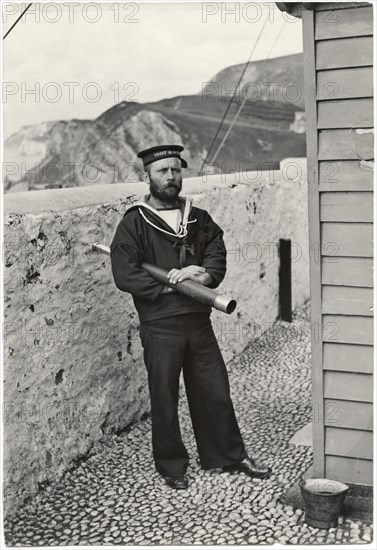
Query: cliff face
[23, 151]
[78, 153]
[87, 152]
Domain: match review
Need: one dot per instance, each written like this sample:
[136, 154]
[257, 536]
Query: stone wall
[73, 365]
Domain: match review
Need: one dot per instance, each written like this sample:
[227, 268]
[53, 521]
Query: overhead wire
[233, 95]
[15, 23]
[245, 98]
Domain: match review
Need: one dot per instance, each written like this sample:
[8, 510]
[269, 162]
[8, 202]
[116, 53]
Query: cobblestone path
[116, 496]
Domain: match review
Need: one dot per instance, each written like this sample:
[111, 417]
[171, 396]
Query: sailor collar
[184, 205]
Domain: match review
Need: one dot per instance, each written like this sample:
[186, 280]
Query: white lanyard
[182, 232]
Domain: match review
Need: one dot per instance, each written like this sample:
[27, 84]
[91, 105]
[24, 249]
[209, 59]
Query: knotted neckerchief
[184, 248]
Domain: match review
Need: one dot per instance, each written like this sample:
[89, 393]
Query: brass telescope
[190, 288]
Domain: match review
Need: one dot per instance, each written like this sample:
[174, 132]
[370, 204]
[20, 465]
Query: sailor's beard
[168, 193]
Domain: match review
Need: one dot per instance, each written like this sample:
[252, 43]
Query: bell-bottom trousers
[187, 342]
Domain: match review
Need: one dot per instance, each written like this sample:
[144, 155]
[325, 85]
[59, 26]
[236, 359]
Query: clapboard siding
[350, 443]
[346, 207]
[347, 300]
[348, 386]
[349, 414]
[346, 175]
[348, 357]
[346, 144]
[348, 329]
[344, 23]
[349, 470]
[345, 83]
[346, 113]
[345, 52]
[338, 54]
[347, 239]
[347, 271]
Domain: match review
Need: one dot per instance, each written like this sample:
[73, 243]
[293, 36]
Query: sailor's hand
[189, 272]
[203, 279]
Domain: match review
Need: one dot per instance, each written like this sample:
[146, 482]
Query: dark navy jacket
[137, 241]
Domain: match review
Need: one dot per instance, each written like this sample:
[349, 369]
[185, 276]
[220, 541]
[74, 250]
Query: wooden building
[338, 70]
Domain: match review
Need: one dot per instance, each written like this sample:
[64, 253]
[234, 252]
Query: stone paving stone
[115, 496]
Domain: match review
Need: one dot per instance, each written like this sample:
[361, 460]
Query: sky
[68, 60]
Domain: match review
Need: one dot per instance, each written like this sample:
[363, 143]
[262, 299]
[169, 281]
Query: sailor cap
[162, 152]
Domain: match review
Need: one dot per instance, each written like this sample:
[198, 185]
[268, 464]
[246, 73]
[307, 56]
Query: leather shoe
[176, 482]
[249, 467]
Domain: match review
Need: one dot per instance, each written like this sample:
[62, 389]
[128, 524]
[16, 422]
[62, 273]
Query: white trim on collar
[182, 232]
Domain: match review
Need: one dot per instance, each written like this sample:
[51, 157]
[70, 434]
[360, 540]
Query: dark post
[285, 280]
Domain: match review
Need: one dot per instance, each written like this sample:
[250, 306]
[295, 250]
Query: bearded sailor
[166, 230]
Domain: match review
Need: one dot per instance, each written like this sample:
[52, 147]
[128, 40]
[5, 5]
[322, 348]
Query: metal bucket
[323, 501]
